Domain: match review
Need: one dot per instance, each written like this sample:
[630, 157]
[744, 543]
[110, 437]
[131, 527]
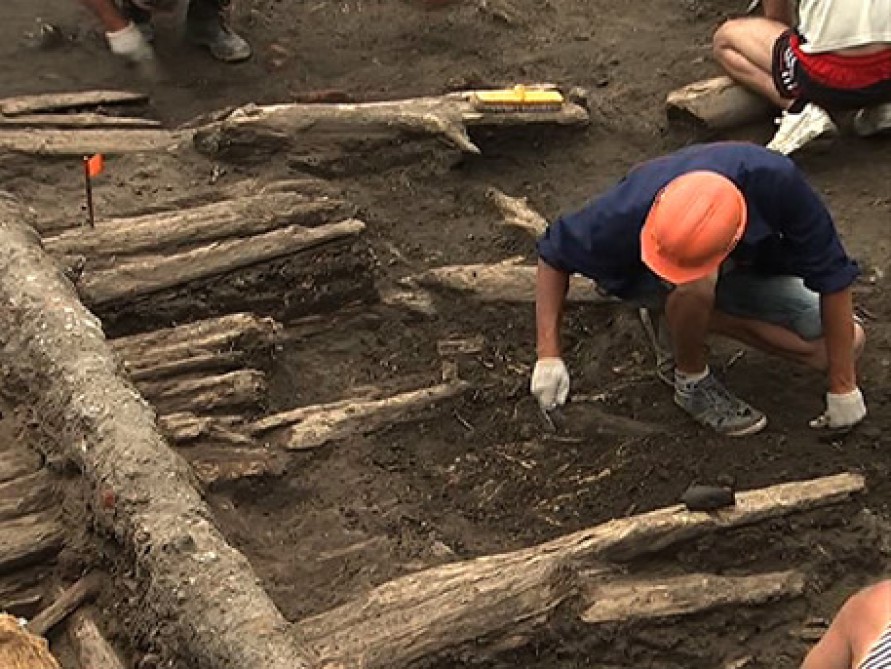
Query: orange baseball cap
[693, 225]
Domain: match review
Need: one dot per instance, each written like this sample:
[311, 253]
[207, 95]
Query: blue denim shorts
[776, 299]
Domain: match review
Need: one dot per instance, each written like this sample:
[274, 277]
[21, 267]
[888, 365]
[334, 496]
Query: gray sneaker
[709, 403]
[223, 42]
[873, 120]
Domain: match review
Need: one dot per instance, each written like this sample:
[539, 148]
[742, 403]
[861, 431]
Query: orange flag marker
[93, 166]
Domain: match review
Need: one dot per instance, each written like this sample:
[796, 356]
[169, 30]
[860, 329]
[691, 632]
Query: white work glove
[550, 383]
[130, 43]
[842, 411]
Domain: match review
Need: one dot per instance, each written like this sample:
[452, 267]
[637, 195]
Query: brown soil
[486, 475]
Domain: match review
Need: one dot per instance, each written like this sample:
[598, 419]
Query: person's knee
[725, 38]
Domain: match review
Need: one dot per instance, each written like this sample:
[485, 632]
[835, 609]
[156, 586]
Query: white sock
[684, 381]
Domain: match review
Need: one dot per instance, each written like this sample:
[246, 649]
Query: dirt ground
[486, 475]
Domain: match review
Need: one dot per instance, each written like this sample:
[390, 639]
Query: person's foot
[798, 128]
[709, 403]
[223, 42]
[872, 120]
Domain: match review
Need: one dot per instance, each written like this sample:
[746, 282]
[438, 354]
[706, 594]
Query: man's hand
[130, 43]
[550, 383]
[843, 411]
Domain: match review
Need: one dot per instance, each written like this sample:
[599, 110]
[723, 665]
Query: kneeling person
[723, 238]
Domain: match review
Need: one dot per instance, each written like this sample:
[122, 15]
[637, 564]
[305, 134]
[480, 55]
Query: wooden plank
[66, 602]
[136, 278]
[719, 104]
[90, 646]
[44, 102]
[87, 141]
[24, 495]
[17, 462]
[618, 599]
[76, 121]
[29, 540]
[243, 388]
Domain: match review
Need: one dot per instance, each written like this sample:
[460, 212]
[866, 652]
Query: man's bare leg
[778, 340]
[744, 48]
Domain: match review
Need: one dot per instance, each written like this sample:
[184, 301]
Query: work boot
[872, 120]
[709, 403]
[798, 128]
[656, 329]
[210, 29]
[141, 17]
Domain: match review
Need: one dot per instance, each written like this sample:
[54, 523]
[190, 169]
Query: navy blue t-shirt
[789, 229]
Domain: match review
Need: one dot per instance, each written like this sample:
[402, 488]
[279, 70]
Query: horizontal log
[168, 231]
[66, 602]
[29, 540]
[22, 650]
[277, 127]
[615, 599]
[24, 495]
[517, 213]
[45, 102]
[201, 362]
[243, 388]
[185, 428]
[89, 644]
[242, 332]
[21, 592]
[17, 462]
[441, 608]
[219, 466]
[314, 426]
[87, 141]
[76, 121]
[719, 104]
[155, 274]
[501, 282]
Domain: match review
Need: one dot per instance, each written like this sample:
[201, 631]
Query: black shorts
[828, 79]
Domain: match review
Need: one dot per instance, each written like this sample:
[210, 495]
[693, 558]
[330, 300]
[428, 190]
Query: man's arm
[838, 329]
[779, 10]
[550, 296]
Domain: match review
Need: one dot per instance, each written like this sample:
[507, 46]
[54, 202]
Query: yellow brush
[518, 99]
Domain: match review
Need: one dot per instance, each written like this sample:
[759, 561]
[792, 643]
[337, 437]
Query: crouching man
[723, 238]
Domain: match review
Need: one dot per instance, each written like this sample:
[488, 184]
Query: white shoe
[873, 120]
[796, 130]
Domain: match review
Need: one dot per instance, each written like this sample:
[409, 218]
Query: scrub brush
[518, 99]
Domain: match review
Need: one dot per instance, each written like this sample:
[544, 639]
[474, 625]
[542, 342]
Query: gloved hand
[550, 383]
[130, 43]
[842, 411]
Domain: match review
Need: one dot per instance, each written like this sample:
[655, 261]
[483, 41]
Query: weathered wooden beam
[186, 428]
[84, 120]
[29, 540]
[46, 102]
[170, 231]
[314, 426]
[200, 362]
[517, 213]
[27, 494]
[506, 281]
[243, 388]
[89, 644]
[18, 461]
[56, 359]
[82, 142]
[430, 611]
[154, 274]
[626, 599]
[718, 104]
[67, 601]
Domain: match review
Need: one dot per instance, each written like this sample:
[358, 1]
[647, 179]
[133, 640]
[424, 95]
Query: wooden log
[155, 274]
[614, 600]
[168, 231]
[243, 332]
[216, 467]
[506, 281]
[17, 462]
[276, 127]
[243, 388]
[186, 427]
[314, 426]
[29, 540]
[77, 121]
[87, 141]
[19, 649]
[430, 611]
[201, 362]
[46, 102]
[90, 646]
[21, 592]
[28, 494]
[718, 104]
[67, 601]
[517, 213]
[56, 358]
